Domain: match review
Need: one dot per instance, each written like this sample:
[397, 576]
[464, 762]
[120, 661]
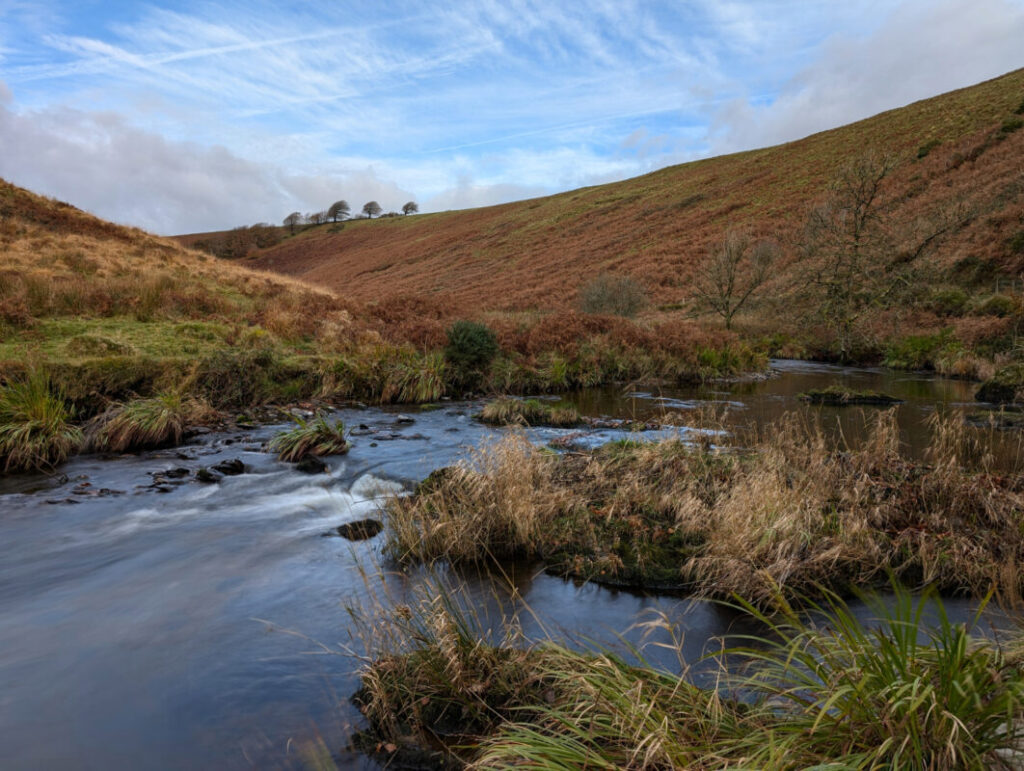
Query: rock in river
[360, 530]
[230, 467]
[311, 465]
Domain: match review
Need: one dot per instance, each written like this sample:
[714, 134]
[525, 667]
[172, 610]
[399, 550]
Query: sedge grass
[36, 432]
[160, 421]
[508, 411]
[815, 689]
[315, 437]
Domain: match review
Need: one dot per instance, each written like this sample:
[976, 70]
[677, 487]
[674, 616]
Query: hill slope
[534, 254]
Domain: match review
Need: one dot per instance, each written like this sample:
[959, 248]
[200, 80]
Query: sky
[195, 116]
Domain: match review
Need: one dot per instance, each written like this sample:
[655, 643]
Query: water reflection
[144, 629]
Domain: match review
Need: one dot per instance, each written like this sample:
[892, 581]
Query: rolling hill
[958, 148]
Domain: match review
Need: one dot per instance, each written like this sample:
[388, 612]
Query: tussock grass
[812, 690]
[36, 432]
[140, 424]
[314, 437]
[788, 511]
[508, 411]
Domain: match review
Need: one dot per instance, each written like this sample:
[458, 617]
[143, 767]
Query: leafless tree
[733, 273]
[317, 218]
[410, 208]
[292, 221]
[339, 210]
[859, 255]
[372, 209]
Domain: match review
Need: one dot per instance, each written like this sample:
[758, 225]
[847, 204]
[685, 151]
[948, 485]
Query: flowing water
[152, 621]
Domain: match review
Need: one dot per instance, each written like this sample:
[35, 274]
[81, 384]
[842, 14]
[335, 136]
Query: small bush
[1016, 242]
[471, 347]
[927, 147]
[949, 302]
[314, 437]
[618, 295]
[996, 305]
[920, 351]
[1010, 125]
[35, 428]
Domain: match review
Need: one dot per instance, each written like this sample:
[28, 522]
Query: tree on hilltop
[339, 210]
[372, 209]
[317, 218]
[410, 208]
[292, 221]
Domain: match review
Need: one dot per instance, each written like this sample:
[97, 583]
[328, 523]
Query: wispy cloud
[453, 104]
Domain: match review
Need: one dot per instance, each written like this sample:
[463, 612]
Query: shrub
[996, 305]
[920, 351]
[35, 428]
[927, 147]
[1016, 242]
[949, 302]
[1010, 125]
[314, 437]
[608, 293]
[471, 348]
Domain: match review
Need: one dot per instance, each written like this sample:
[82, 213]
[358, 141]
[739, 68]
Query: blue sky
[198, 115]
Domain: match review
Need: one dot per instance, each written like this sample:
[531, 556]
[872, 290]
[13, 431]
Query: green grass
[159, 421]
[508, 411]
[36, 432]
[314, 437]
[446, 687]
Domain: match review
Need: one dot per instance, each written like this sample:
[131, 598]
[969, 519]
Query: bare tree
[733, 273]
[317, 218]
[860, 256]
[339, 210]
[410, 208]
[372, 209]
[292, 221]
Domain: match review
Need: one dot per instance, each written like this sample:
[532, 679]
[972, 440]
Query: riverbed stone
[360, 530]
[206, 476]
[311, 465]
[231, 467]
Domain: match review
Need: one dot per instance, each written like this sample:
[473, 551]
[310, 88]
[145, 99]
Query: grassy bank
[445, 689]
[785, 513]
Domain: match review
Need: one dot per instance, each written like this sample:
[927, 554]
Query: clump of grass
[790, 510]
[36, 432]
[508, 411]
[812, 690]
[316, 437]
[159, 421]
[896, 694]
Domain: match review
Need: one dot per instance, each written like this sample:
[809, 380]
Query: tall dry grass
[784, 509]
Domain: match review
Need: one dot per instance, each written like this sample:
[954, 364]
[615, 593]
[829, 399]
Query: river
[164, 623]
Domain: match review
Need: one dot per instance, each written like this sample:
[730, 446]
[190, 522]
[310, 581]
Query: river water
[183, 625]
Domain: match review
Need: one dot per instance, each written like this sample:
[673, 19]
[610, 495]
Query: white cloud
[922, 49]
[101, 163]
